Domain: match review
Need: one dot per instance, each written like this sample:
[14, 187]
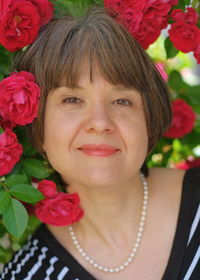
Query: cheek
[59, 128]
[135, 135]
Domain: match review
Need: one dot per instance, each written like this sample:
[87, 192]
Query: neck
[112, 211]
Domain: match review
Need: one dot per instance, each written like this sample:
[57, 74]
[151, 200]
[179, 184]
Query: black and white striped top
[44, 258]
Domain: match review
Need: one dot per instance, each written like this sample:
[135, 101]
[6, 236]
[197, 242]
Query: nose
[99, 119]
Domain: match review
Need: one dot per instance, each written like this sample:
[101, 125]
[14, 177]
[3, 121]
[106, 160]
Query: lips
[98, 149]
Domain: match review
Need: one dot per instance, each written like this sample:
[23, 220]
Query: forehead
[91, 74]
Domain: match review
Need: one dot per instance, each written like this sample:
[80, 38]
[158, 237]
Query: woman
[103, 108]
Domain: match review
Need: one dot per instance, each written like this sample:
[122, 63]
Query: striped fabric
[44, 258]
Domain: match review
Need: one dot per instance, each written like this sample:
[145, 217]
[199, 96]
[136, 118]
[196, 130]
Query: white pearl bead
[137, 241]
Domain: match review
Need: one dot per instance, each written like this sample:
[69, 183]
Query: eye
[124, 102]
[72, 100]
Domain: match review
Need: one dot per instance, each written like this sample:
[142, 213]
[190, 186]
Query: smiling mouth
[98, 150]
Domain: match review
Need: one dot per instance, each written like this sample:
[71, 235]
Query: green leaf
[36, 168]
[26, 193]
[176, 82]
[2, 230]
[4, 201]
[171, 51]
[181, 5]
[16, 179]
[15, 218]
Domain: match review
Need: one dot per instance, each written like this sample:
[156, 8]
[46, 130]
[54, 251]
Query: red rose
[170, 2]
[155, 18]
[19, 26]
[178, 15]
[173, 2]
[193, 162]
[158, 12]
[19, 97]
[184, 36]
[136, 5]
[10, 151]
[190, 17]
[45, 9]
[131, 19]
[183, 119]
[147, 33]
[114, 6]
[60, 210]
[197, 53]
[4, 6]
[48, 188]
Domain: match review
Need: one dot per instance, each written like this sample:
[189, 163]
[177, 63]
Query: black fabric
[44, 258]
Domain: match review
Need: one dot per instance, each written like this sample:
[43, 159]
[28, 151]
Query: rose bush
[19, 96]
[10, 151]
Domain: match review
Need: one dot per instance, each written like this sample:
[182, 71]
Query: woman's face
[95, 113]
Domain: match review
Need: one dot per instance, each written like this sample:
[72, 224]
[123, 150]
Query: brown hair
[61, 47]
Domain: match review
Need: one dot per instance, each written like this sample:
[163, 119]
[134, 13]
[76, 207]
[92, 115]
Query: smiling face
[95, 113]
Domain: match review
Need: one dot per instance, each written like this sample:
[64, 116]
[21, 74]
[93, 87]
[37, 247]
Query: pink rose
[188, 163]
[47, 188]
[161, 69]
[10, 151]
[197, 53]
[61, 210]
[183, 119]
[19, 97]
[184, 36]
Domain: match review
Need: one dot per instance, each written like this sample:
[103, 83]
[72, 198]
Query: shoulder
[166, 181]
[175, 188]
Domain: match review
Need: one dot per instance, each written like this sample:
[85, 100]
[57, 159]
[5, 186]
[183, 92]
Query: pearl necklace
[136, 244]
